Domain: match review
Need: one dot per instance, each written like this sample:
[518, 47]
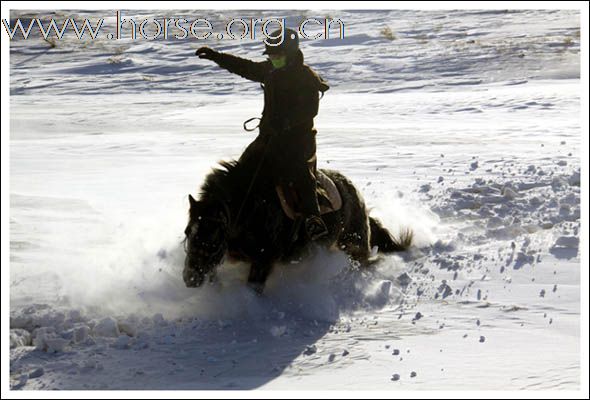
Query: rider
[291, 101]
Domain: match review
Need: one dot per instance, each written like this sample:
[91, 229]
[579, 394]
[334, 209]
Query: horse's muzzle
[193, 277]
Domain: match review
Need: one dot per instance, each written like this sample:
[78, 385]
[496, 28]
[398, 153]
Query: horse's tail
[385, 241]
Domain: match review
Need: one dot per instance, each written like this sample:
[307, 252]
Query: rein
[254, 176]
[245, 125]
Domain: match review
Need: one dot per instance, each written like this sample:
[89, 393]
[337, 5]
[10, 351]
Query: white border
[344, 5]
[293, 5]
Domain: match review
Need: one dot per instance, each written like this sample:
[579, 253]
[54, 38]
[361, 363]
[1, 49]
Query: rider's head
[281, 45]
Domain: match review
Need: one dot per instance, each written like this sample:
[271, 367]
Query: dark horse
[244, 220]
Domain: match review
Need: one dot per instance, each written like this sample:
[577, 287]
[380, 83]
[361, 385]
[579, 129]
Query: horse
[253, 220]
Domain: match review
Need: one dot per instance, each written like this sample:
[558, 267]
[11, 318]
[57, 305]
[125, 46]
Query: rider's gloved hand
[206, 53]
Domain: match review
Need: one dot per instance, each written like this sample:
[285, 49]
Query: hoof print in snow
[309, 350]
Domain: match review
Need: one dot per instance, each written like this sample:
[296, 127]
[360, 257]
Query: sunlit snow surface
[464, 128]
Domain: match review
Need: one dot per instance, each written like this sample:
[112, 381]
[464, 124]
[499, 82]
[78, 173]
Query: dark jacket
[291, 93]
[285, 148]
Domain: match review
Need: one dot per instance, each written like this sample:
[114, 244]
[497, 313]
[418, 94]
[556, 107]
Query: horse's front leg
[259, 272]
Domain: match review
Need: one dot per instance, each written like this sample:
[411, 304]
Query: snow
[106, 327]
[465, 128]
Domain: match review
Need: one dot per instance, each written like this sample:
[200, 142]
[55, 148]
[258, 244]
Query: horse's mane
[221, 182]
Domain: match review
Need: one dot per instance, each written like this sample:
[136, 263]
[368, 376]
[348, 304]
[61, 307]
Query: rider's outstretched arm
[254, 71]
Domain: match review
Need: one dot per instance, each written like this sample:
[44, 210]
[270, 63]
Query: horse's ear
[192, 201]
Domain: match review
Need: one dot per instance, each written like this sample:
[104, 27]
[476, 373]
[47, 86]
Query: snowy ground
[464, 128]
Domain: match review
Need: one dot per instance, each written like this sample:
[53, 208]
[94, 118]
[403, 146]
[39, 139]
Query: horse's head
[205, 241]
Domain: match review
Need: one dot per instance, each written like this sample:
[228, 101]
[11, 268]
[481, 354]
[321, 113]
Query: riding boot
[309, 206]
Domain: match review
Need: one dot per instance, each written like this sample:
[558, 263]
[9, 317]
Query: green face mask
[279, 62]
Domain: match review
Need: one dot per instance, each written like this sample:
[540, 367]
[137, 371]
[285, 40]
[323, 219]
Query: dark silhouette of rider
[287, 135]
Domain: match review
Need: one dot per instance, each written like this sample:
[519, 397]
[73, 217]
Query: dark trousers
[289, 159]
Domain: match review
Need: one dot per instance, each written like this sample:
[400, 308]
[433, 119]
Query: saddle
[329, 197]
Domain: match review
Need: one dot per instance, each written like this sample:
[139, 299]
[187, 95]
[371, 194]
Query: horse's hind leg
[359, 253]
[259, 272]
[355, 235]
[356, 244]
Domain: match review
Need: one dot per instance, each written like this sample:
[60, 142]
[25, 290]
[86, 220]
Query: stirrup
[315, 227]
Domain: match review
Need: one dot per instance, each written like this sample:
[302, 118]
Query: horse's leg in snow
[259, 271]
[355, 242]
[359, 253]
